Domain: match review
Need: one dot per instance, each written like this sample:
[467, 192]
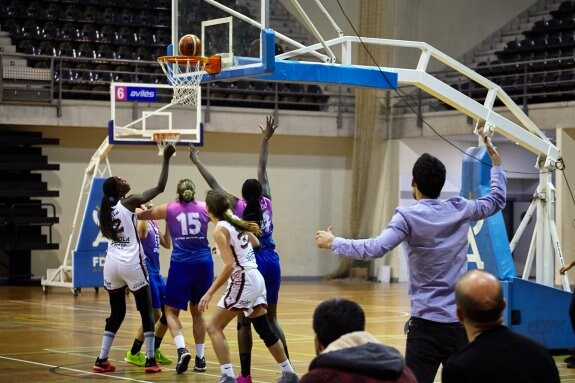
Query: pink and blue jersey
[188, 225]
[151, 246]
[191, 267]
[267, 226]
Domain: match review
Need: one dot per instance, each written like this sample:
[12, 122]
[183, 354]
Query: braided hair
[251, 192]
[109, 200]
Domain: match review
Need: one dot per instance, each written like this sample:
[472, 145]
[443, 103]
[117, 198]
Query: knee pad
[264, 330]
[243, 322]
[118, 312]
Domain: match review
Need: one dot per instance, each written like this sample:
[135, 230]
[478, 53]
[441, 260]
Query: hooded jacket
[358, 357]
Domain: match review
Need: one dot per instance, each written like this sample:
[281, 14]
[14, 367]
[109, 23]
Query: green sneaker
[161, 358]
[139, 359]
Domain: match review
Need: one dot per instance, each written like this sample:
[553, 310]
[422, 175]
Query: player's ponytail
[109, 200]
[219, 206]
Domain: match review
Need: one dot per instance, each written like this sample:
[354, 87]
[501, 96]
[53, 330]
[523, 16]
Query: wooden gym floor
[55, 337]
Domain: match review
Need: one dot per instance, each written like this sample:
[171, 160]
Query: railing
[526, 82]
[89, 78]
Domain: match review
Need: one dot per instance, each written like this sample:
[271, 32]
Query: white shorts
[245, 291]
[118, 275]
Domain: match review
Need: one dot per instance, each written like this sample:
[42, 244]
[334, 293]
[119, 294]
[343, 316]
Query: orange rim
[159, 136]
[212, 65]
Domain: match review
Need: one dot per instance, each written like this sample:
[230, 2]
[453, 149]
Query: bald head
[479, 297]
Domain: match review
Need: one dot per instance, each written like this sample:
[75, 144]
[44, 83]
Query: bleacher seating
[25, 222]
[536, 65]
[124, 37]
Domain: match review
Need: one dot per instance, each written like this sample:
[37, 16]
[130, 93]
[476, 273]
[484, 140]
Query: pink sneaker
[241, 379]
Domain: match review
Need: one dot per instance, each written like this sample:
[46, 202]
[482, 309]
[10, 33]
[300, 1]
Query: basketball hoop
[165, 138]
[185, 74]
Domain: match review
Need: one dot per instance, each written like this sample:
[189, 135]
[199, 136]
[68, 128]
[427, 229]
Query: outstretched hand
[567, 267]
[271, 126]
[491, 150]
[194, 154]
[169, 151]
[324, 239]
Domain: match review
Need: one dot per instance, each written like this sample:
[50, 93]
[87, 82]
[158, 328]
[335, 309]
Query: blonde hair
[219, 205]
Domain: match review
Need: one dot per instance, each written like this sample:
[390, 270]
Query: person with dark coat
[495, 354]
[348, 353]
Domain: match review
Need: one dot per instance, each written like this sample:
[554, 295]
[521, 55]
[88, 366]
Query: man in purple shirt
[434, 233]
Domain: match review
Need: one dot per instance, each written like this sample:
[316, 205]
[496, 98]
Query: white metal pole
[314, 30]
[331, 20]
[259, 25]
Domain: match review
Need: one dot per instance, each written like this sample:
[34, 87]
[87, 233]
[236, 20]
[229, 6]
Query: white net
[164, 139]
[185, 77]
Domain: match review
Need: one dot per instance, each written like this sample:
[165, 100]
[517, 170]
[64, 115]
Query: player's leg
[273, 283]
[113, 322]
[178, 294]
[161, 329]
[144, 304]
[275, 346]
[202, 273]
[245, 343]
[215, 329]
[255, 284]
[158, 300]
[116, 287]
[134, 355]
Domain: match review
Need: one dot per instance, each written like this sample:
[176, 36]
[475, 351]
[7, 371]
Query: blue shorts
[188, 282]
[269, 266]
[158, 290]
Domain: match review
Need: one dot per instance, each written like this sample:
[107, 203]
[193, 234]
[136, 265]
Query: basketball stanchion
[185, 74]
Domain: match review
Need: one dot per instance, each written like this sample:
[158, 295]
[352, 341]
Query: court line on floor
[76, 370]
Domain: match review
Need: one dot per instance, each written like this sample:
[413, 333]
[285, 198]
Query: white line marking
[75, 370]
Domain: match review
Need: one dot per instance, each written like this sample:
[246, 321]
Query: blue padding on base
[90, 252]
[353, 75]
[542, 313]
[492, 241]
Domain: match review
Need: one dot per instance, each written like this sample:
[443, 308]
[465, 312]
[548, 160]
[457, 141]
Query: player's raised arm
[267, 133]
[134, 201]
[210, 179]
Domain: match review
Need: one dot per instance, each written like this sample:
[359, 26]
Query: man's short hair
[429, 175]
[335, 317]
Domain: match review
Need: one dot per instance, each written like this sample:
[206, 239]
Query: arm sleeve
[493, 202]
[366, 249]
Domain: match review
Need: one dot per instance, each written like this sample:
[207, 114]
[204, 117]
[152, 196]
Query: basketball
[190, 45]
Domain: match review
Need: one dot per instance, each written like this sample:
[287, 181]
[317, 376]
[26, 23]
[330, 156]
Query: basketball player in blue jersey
[255, 206]
[245, 293]
[124, 266]
[152, 238]
[191, 268]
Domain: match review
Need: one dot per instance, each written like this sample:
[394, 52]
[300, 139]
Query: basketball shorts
[118, 275]
[269, 266]
[246, 290]
[158, 290]
[188, 282]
